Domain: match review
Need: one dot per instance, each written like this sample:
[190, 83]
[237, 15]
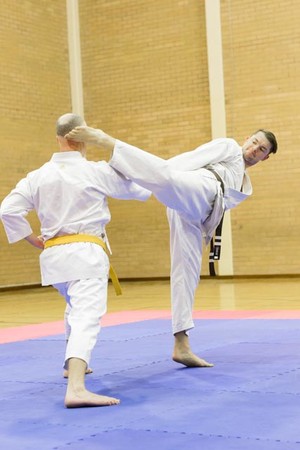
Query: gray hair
[67, 122]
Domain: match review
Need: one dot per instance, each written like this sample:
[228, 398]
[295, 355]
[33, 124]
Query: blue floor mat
[248, 400]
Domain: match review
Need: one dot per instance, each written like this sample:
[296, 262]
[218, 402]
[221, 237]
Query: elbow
[5, 213]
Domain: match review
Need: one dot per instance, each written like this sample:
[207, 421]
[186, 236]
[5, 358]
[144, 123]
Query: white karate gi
[69, 195]
[195, 204]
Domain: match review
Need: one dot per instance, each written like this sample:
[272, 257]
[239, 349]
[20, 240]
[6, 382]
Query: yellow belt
[68, 239]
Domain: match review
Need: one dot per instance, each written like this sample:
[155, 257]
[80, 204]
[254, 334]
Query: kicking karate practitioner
[197, 187]
[69, 195]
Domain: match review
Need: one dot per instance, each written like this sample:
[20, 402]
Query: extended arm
[14, 210]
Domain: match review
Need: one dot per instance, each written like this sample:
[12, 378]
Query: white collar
[63, 156]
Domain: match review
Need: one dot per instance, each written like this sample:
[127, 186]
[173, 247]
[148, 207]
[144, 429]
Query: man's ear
[266, 157]
[72, 144]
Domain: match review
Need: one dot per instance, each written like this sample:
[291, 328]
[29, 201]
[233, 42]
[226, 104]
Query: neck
[68, 149]
[66, 145]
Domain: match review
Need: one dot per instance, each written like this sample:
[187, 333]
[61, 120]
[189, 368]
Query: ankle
[181, 340]
[75, 389]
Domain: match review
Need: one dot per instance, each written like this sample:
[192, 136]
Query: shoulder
[226, 141]
[102, 168]
[225, 146]
[231, 145]
[221, 142]
[231, 141]
[39, 171]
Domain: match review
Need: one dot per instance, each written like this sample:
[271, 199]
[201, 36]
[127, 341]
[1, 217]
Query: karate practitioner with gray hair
[69, 194]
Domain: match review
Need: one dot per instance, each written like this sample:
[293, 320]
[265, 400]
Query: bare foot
[184, 355]
[85, 398]
[91, 136]
[189, 359]
[77, 396]
[87, 372]
[84, 134]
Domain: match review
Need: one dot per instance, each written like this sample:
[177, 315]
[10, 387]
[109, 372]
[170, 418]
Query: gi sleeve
[14, 210]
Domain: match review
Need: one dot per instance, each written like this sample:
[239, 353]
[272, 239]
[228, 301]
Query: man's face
[256, 148]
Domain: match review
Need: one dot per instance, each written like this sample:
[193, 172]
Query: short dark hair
[67, 122]
[271, 138]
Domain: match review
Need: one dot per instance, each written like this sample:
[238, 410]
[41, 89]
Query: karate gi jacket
[225, 157]
[69, 195]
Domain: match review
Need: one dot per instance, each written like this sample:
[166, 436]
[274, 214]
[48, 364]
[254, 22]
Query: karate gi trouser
[186, 259]
[66, 322]
[189, 196]
[86, 304]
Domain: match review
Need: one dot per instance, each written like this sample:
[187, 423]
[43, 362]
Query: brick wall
[261, 42]
[34, 91]
[145, 81]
